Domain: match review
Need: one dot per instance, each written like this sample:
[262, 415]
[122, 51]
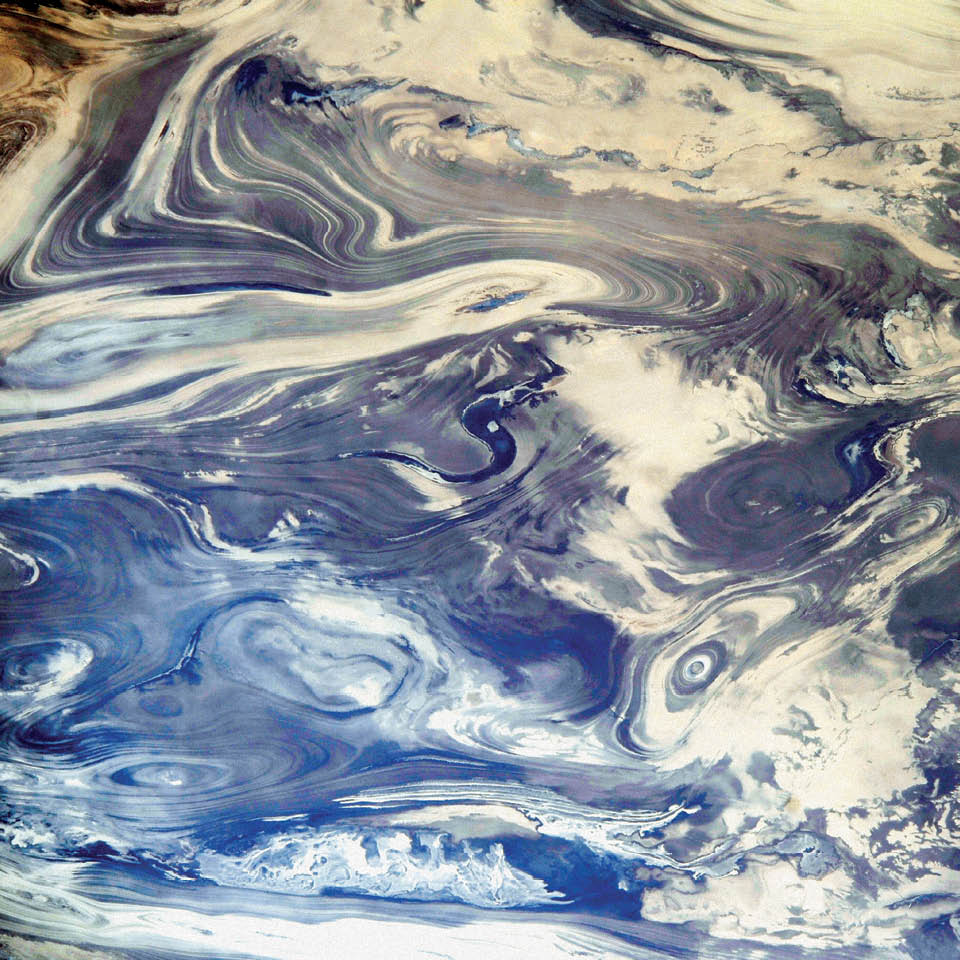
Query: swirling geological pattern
[479, 479]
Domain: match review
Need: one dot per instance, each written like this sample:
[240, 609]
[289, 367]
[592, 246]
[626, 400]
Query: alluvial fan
[479, 479]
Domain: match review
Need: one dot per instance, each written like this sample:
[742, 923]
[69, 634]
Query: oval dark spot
[698, 667]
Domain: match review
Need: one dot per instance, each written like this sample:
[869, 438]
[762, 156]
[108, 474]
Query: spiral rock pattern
[479, 480]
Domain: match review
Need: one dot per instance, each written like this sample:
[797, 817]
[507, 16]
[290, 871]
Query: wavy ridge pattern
[459, 497]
